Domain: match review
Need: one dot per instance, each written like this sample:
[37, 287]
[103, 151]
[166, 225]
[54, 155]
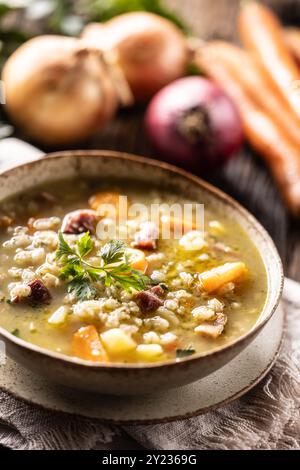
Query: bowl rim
[208, 187]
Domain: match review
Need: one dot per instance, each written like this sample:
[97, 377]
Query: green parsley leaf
[113, 268]
[113, 252]
[63, 249]
[16, 332]
[181, 353]
[82, 288]
[85, 245]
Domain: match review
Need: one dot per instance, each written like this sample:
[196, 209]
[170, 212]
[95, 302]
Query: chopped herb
[16, 332]
[181, 353]
[113, 269]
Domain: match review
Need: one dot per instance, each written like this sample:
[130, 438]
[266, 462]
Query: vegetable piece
[86, 344]
[113, 267]
[80, 221]
[267, 138]
[252, 77]
[149, 352]
[136, 259]
[215, 278]
[117, 342]
[147, 237]
[292, 36]
[59, 316]
[150, 50]
[182, 353]
[194, 124]
[57, 90]
[263, 35]
[104, 198]
[148, 301]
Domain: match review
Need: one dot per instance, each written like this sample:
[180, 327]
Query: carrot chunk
[86, 344]
[105, 197]
[137, 259]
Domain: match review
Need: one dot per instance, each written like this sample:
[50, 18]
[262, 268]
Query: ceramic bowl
[137, 378]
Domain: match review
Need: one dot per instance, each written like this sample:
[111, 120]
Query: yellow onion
[57, 90]
[151, 50]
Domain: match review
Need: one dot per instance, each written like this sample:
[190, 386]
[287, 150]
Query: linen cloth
[267, 417]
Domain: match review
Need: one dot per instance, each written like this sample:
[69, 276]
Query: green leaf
[81, 275]
[85, 245]
[63, 249]
[82, 288]
[72, 270]
[16, 332]
[103, 10]
[181, 353]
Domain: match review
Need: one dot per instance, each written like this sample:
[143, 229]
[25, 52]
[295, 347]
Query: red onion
[194, 124]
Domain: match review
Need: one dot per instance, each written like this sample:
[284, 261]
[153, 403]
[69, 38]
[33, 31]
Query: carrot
[215, 278]
[292, 36]
[86, 344]
[263, 36]
[105, 197]
[267, 138]
[258, 86]
[137, 259]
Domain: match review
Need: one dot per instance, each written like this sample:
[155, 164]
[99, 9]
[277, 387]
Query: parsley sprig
[114, 267]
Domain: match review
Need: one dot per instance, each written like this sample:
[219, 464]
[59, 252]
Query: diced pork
[39, 293]
[146, 238]
[148, 301]
[80, 221]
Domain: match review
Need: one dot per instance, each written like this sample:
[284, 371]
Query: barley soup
[143, 299]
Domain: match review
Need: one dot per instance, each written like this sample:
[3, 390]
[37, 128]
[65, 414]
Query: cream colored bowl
[136, 378]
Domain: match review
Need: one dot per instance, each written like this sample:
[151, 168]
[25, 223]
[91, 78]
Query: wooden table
[246, 178]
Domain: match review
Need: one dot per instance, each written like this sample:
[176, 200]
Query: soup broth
[157, 300]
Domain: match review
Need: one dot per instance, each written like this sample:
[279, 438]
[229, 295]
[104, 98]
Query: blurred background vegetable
[57, 91]
[21, 19]
[52, 97]
[194, 124]
[150, 50]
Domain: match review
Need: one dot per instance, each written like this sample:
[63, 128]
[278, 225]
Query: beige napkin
[268, 417]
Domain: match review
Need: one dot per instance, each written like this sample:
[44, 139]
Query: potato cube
[59, 316]
[149, 352]
[117, 342]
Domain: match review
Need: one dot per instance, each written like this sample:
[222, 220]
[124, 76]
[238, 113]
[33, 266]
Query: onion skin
[57, 91]
[192, 123]
[152, 51]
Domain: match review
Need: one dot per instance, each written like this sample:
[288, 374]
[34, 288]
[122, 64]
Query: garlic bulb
[57, 90]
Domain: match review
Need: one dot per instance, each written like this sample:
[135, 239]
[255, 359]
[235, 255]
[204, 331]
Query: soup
[135, 297]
